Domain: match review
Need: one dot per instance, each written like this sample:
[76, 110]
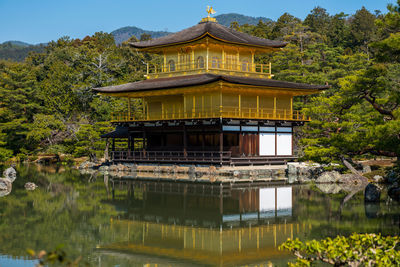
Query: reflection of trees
[330, 215]
[65, 209]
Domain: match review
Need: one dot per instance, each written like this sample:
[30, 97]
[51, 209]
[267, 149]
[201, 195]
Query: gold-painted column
[252, 61]
[270, 70]
[165, 63]
[240, 106]
[178, 66]
[184, 106]
[192, 60]
[223, 58]
[220, 103]
[207, 57]
[129, 108]
[144, 108]
[194, 107]
[202, 105]
[274, 113]
[238, 61]
[258, 106]
[291, 107]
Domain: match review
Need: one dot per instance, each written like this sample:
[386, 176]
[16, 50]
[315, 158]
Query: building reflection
[217, 225]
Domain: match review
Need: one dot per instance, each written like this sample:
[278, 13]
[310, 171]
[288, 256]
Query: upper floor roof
[209, 29]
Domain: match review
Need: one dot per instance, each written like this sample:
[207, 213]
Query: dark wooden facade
[214, 141]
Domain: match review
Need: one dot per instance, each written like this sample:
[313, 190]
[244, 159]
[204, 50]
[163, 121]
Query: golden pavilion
[208, 102]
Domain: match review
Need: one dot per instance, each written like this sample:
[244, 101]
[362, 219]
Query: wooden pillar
[221, 144]
[184, 107]
[274, 113]
[202, 139]
[144, 140]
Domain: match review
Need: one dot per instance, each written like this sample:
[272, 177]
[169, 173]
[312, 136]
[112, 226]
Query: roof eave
[207, 34]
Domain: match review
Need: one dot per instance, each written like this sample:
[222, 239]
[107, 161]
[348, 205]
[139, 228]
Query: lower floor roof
[201, 79]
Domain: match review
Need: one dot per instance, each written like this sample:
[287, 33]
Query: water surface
[114, 222]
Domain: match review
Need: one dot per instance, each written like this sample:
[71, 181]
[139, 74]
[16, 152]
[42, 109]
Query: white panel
[267, 144]
[284, 129]
[284, 144]
[231, 128]
[250, 128]
[284, 198]
[267, 199]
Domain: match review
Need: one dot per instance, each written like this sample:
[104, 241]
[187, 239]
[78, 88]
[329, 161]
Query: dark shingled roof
[199, 79]
[212, 29]
[119, 132]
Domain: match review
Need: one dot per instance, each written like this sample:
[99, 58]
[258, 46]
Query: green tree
[318, 20]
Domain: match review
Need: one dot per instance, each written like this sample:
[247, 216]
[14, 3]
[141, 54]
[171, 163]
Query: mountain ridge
[18, 50]
[124, 33]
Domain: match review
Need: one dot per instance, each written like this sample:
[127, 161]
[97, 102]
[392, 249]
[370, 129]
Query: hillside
[226, 19]
[18, 51]
[123, 34]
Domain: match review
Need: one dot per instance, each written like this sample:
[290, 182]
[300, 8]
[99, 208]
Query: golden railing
[222, 112]
[226, 66]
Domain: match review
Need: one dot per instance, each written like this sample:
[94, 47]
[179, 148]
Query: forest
[47, 105]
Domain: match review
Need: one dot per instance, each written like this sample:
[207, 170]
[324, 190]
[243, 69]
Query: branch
[378, 107]
[350, 167]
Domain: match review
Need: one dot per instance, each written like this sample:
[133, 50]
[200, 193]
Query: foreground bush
[355, 250]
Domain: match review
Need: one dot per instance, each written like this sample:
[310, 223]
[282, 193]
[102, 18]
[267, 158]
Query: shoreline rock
[10, 173]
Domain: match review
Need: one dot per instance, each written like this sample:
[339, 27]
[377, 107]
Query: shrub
[355, 250]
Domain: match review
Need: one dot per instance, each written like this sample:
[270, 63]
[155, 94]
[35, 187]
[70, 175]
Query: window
[215, 63]
[184, 61]
[245, 65]
[200, 63]
[171, 65]
[231, 62]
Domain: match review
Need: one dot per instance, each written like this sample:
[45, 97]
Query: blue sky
[44, 20]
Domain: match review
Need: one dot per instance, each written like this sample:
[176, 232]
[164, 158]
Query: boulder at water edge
[10, 173]
[372, 193]
[30, 186]
[329, 177]
[5, 184]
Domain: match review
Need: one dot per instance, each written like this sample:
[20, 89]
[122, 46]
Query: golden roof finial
[210, 11]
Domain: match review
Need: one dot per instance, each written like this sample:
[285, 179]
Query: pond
[114, 222]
